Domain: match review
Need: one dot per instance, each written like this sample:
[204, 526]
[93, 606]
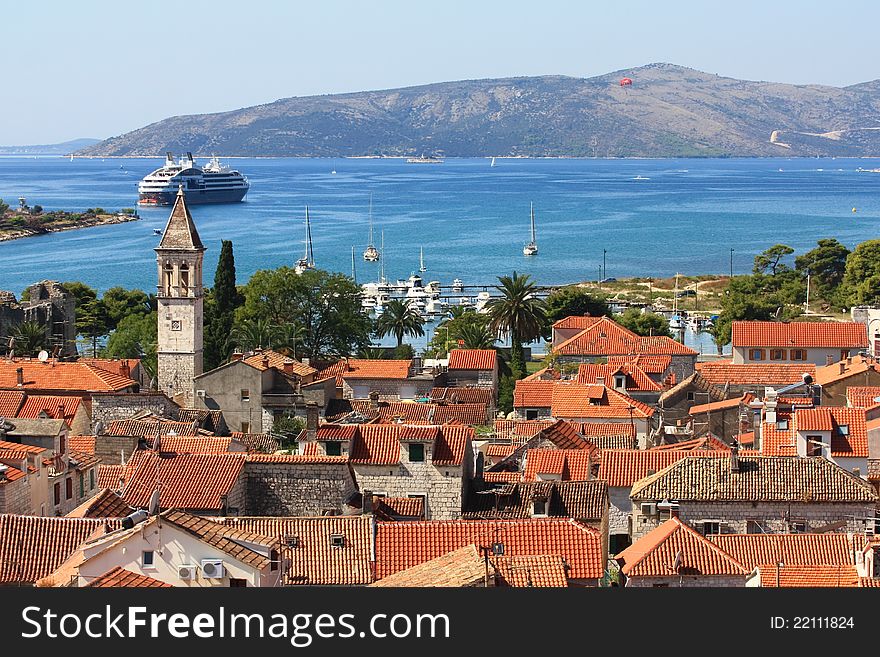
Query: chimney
[60, 412]
[842, 366]
[674, 511]
[305, 361]
[770, 406]
[125, 369]
[849, 360]
[600, 380]
[417, 364]
[734, 456]
[287, 367]
[236, 355]
[374, 400]
[829, 359]
[311, 421]
[265, 362]
[367, 501]
[19, 376]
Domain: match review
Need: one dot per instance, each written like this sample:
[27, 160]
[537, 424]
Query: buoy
[854, 210]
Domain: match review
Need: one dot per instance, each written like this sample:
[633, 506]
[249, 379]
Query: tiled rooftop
[757, 374]
[119, 577]
[463, 567]
[472, 359]
[569, 464]
[624, 467]
[831, 335]
[61, 376]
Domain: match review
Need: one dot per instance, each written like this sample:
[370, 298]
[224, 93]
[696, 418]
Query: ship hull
[193, 196]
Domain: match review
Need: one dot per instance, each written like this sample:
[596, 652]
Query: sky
[99, 69]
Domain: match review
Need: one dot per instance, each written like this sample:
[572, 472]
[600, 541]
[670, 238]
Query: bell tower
[181, 304]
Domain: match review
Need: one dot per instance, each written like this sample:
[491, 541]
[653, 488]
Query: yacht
[371, 253]
[307, 262]
[212, 183]
[531, 248]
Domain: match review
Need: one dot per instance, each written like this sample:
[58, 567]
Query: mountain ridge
[669, 111]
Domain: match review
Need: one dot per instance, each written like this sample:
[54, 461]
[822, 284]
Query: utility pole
[604, 271]
[731, 263]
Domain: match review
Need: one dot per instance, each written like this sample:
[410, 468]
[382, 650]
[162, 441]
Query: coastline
[8, 235]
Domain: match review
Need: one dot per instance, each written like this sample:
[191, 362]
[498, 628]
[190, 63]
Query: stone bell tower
[181, 304]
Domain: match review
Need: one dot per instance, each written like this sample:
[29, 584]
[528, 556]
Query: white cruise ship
[212, 183]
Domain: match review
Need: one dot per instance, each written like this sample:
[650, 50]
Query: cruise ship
[212, 183]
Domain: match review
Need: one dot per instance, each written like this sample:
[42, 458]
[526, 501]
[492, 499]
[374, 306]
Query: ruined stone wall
[121, 406]
[296, 489]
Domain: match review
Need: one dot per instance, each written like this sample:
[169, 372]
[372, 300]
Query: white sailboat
[493, 162]
[71, 157]
[422, 267]
[307, 262]
[676, 323]
[531, 248]
[371, 253]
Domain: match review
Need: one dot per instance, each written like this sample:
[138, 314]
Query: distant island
[64, 148]
[666, 111]
[27, 221]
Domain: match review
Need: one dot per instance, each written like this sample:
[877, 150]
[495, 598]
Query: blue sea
[652, 217]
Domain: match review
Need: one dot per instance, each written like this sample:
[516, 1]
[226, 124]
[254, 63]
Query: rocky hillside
[668, 111]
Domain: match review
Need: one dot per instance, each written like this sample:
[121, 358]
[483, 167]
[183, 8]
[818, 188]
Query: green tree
[517, 313]
[574, 300]
[758, 297]
[646, 323]
[861, 281]
[120, 303]
[771, 259]
[826, 265]
[92, 321]
[135, 337]
[404, 352]
[3, 207]
[399, 319]
[460, 320]
[29, 338]
[371, 353]
[220, 309]
[326, 306]
[475, 335]
[254, 333]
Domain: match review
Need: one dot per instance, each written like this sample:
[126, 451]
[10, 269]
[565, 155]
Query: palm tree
[517, 313]
[254, 334]
[371, 353]
[28, 338]
[287, 338]
[399, 320]
[476, 336]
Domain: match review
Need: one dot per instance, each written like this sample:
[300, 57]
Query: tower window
[184, 280]
[417, 453]
[167, 278]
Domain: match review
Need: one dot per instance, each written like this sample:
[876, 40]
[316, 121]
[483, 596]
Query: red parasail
[625, 82]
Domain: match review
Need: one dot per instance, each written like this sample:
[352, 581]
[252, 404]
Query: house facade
[818, 343]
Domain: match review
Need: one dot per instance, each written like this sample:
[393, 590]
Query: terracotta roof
[10, 402]
[752, 550]
[573, 401]
[598, 430]
[306, 544]
[869, 582]
[544, 374]
[13, 463]
[851, 367]
[655, 554]
[61, 375]
[624, 467]
[462, 395]
[377, 369]
[379, 444]
[187, 481]
[256, 457]
[662, 345]
[711, 407]
[472, 359]
[424, 413]
[180, 231]
[84, 444]
[195, 444]
[401, 545]
[392, 508]
[120, 366]
[757, 374]
[268, 359]
[707, 442]
[119, 577]
[576, 322]
[569, 464]
[533, 394]
[586, 501]
[109, 476]
[463, 567]
[230, 539]
[565, 435]
[501, 477]
[760, 479]
[256, 442]
[147, 428]
[831, 335]
[336, 370]
[520, 430]
[82, 461]
[605, 337]
[809, 576]
[635, 378]
[32, 547]
[827, 418]
[207, 419]
[650, 363]
[538, 570]
[776, 441]
[499, 449]
[104, 504]
[863, 396]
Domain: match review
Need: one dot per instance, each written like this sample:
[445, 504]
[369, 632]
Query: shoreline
[9, 235]
[445, 157]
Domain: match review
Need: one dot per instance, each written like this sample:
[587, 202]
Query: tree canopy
[861, 279]
[772, 259]
[643, 323]
[573, 300]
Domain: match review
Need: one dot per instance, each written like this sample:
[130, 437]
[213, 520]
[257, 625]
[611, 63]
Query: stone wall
[112, 449]
[277, 488]
[521, 413]
[388, 389]
[15, 497]
[714, 581]
[107, 407]
[682, 366]
[620, 507]
[735, 516]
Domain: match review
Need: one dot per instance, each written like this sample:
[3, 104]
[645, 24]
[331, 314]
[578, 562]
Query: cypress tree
[220, 309]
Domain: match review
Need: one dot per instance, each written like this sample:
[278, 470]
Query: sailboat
[422, 267]
[71, 157]
[493, 162]
[307, 262]
[531, 248]
[675, 323]
[371, 253]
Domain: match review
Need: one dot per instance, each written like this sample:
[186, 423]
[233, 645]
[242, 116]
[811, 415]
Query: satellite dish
[154, 503]
[43, 356]
[808, 379]
[99, 428]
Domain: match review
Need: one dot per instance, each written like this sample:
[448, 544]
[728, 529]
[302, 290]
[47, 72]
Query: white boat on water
[307, 262]
[371, 253]
[422, 267]
[493, 162]
[457, 286]
[531, 248]
[641, 178]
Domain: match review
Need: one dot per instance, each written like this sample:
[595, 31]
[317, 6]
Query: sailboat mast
[353, 271]
[382, 265]
[532, 213]
[310, 254]
[371, 220]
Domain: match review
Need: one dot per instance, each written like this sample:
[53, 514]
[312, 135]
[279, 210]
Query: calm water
[471, 219]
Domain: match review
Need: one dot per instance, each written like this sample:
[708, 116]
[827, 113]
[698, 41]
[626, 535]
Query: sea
[644, 217]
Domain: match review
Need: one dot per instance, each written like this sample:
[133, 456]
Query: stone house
[836, 379]
[70, 408]
[110, 406]
[532, 400]
[473, 368]
[432, 462]
[725, 419]
[674, 404]
[252, 391]
[745, 494]
[56, 377]
[626, 378]
[735, 380]
[49, 305]
[819, 343]
[179, 549]
[601, 404]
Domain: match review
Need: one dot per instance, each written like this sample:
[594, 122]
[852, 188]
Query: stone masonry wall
[619, 509]
[715, 581]
[109, 407]
[15, 497]
[388, 389]
[296, 489]
[110, 449]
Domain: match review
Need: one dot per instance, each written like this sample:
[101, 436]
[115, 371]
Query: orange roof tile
[517, 430]
[809, 576]
[21, 447]
[120, 366]
[500, 450]
[32, 547]
[569, 464]
[463, 567]
[313, 458]
[828, 374]
[119, 577]
[655, 554]
[61, 376]
[635, 378]
[662, 345]
[752, 550]
[85, 444]
[60, 408]
[461, 395]
[10, 402]
[565, 436]
[544, 374]
[401, 545]
[711, 407]
[576, 322]
[502, 477]
[472, 359]
[572, 401]
[605, 337]
[533, 394]
[758, 374]
[650, 363]
[853, 443]
[863, 396]
[186, 481]
[377, 369]
[109, 476]
[707, 442]
[268, 359]
[380, 444]
[831, 335]
[424, 413]
[104, 504]
[624, 467]
[147, 428]
[527, 570]
[194, 444]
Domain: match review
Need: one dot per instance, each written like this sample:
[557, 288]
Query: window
[274, 559]
[92, 479]
[68, 488]
[245, 395]
[799, 527]
[619, 381]
[797, 354]
[814, 445]
[782, 425]
[147, 559]
[843, 429]
[691, 396]
[777, 354]
[333, 448]
[756, 354]
[184, 280]
[245, 426]
[337, 540]
[417, 453]
[711, 527]
[532, 414]
[62, 444]
[82, 485]
[167, 277]
[755, 527]
[539, 506]
[57, 494]
[844, 354]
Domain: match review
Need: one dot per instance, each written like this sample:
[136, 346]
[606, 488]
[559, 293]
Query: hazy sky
[98, 69]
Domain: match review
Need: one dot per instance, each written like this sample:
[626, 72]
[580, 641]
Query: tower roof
[180, 231]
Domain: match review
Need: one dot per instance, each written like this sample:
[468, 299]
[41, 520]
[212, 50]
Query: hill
[669, 111]
[64, 148]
